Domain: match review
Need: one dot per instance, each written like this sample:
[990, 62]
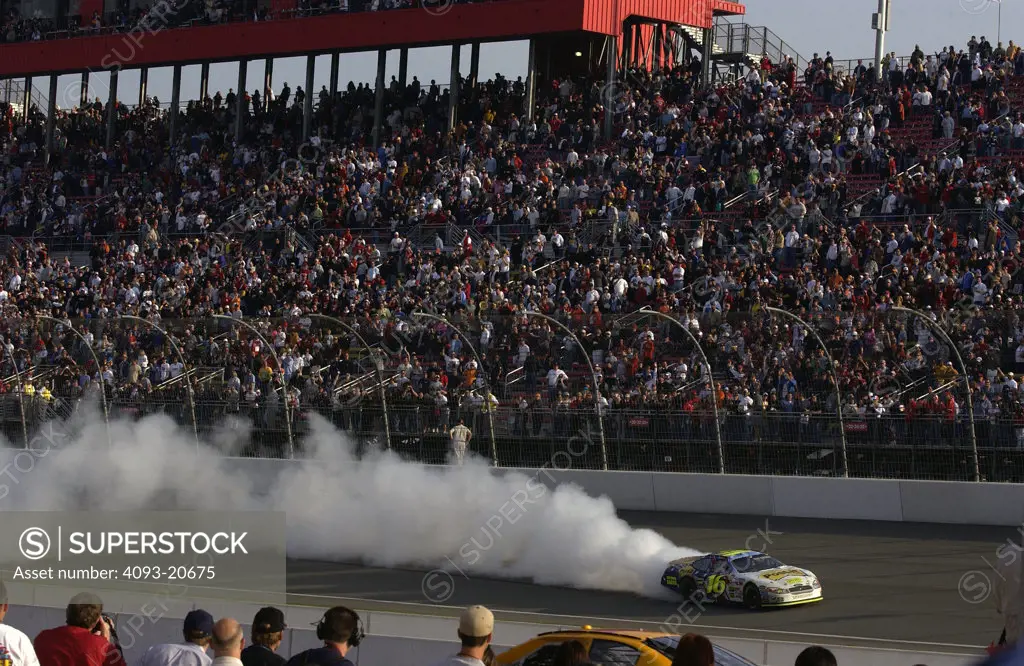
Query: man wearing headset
[341, 630]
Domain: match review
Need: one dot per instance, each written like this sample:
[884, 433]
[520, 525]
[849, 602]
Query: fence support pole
[937, 328]
[21, 395]
[284, 386]
[377, 366]
[711, 378]
[593, 373]
[832, 371]
[185, 369]
[480, 363]
[99, 370]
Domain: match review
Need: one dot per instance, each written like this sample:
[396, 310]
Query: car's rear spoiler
[684, 560]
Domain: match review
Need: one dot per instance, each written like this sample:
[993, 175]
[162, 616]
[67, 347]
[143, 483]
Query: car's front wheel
[752, 597]
[687, 588]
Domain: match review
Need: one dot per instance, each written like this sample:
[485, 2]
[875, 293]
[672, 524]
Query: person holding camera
[197, 631]
[15, 647]
[341, 630]
[88, 637]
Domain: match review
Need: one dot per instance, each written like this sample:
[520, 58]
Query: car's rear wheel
[687, 587]
[752, 597]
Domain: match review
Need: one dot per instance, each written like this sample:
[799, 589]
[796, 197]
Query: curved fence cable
[277, 359]
[189, 388]
[99, 369]
[488, 405]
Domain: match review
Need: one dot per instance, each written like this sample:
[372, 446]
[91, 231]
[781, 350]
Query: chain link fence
[773, 392]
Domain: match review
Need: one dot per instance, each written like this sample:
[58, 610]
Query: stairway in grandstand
[737, 43]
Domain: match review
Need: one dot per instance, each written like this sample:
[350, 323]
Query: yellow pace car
[609, 647]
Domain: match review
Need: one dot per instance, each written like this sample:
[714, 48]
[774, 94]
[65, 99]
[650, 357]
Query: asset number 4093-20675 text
[144, 573]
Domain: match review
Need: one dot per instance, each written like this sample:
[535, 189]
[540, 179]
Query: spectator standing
[476, 629]
[341, 630]
[197, 631]
[15, 647]
[460, 437]
[267, 632]
[816, 656]
[86, 637]
[227, 642]
[695, 650]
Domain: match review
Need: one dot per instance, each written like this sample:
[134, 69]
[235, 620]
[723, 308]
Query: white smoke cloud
[380, 510]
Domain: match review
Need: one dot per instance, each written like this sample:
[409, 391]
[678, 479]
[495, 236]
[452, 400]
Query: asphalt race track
[886, 585]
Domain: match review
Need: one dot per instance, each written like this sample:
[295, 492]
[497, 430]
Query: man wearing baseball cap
[267, 631]
[476, 626]
[197, 631]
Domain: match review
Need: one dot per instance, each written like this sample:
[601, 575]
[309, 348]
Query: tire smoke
[379, 509]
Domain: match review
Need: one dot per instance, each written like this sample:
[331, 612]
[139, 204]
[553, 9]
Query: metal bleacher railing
[693, 417]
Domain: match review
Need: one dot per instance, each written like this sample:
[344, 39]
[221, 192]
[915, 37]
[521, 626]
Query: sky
[807, 26]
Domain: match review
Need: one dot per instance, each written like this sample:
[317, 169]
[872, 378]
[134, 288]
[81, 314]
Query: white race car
[748, 577]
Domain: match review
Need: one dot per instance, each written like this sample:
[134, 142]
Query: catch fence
[674, 394]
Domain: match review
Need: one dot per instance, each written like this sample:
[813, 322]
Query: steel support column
[474, 63]
[175, 103]
[204, 81]
[26, 101]
[638, 44]
[243, 72]
[531, 84]
[268, 81]
[84, 90]
[335, 67]
[378, 104]
[609, 85]
[307, 101]
[112, 109]
[454, 86]
[51, 118]
[403, 67]
[143, 84]
[657, 61]
[705, 57]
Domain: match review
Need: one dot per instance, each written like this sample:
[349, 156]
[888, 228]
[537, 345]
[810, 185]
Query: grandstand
[762, 263]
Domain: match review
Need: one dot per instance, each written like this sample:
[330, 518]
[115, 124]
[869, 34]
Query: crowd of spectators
[710, 204]
[90, 636]
[128, 16]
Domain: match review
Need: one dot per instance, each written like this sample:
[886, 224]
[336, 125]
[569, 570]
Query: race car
[747, 577]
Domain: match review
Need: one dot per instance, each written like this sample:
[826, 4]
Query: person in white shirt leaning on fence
[227, 642]
[15, 647]
[460, 436]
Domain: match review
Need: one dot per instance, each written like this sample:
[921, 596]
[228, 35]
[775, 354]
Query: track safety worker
[460, 436]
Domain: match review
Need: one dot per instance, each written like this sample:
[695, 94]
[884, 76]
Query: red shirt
[74, 646]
